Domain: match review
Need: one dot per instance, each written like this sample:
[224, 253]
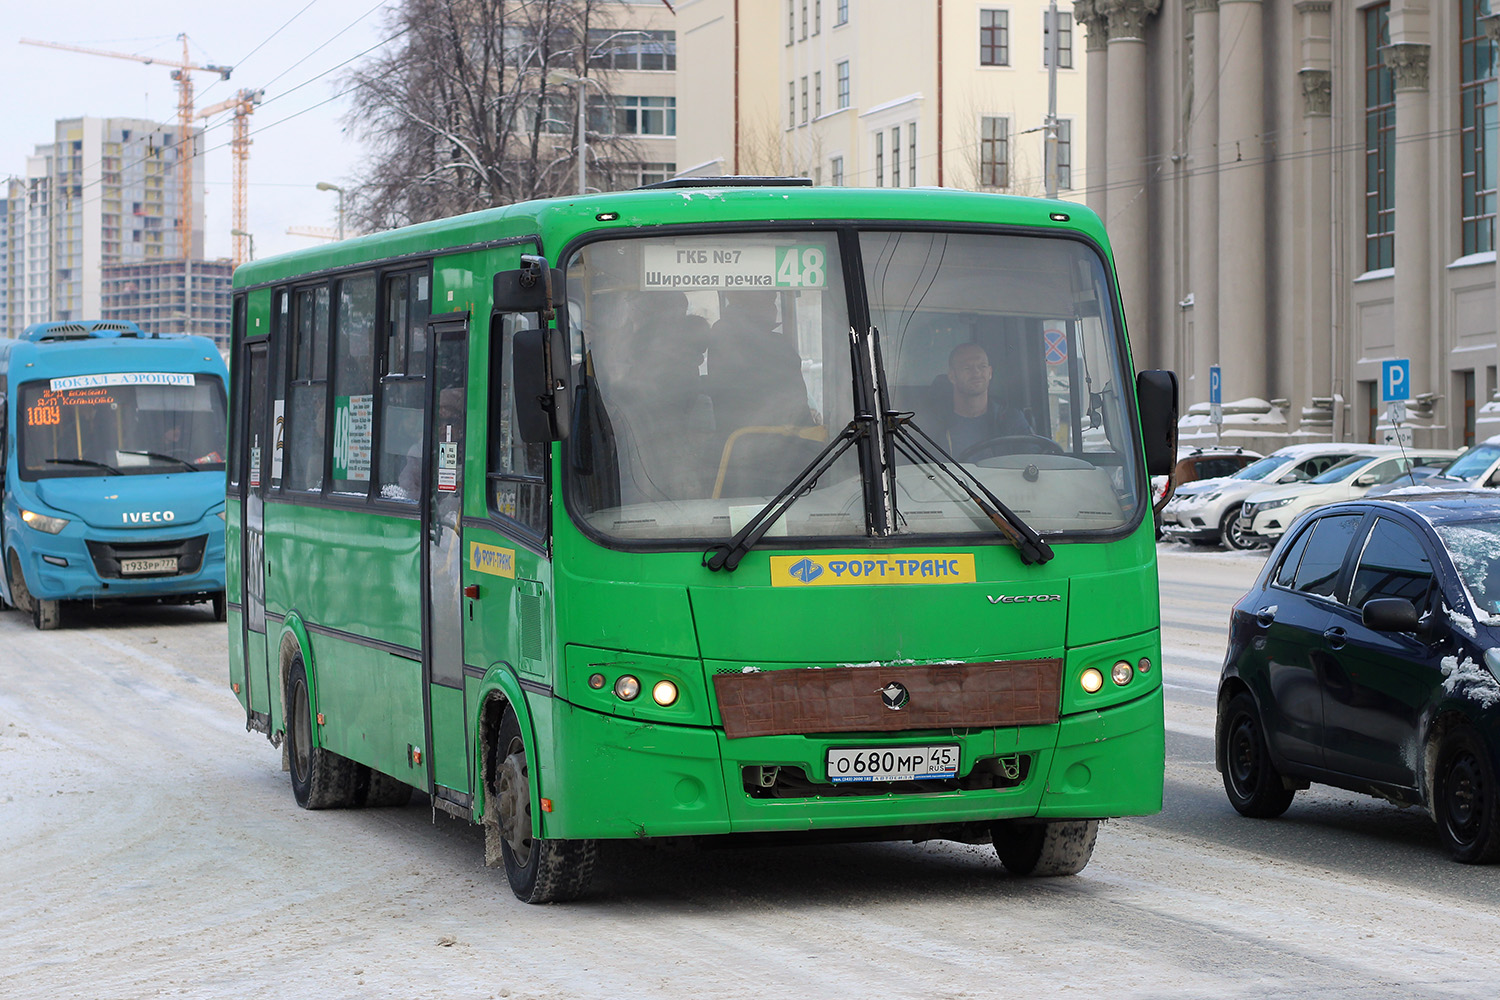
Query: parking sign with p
[1395, 380]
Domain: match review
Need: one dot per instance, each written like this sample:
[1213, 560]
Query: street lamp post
[582, 83]
[250, 237]
[325, 186]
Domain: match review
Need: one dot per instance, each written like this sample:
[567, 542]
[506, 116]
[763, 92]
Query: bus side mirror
[1156, 395]
[527, 289]
[539, 362]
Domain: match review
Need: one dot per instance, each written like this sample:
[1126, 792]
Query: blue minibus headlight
[41, 522]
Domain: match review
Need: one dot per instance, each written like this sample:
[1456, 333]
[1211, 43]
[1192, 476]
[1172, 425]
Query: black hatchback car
[1366, 657]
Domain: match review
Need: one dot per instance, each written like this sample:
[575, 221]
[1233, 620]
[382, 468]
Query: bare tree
[470, 107]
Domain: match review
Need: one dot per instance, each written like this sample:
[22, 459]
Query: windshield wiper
[85, 461]
[165, 458]
[728, 556]
[919, 446]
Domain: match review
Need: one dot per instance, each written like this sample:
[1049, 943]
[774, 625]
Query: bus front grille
[109, 556]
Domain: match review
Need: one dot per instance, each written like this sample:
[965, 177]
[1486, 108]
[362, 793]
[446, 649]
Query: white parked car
[1478, 466]
[1267, 514]
[1207, 512]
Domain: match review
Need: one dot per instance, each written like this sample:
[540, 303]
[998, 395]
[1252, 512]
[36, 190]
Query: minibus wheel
[321, 779]
[46, 615]
[1062, 847]
[539, 870]
[218, 605]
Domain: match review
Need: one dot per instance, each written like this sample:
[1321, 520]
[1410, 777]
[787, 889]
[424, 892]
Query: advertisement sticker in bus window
[903, 569]
[255, 463]
[493, 560]
[280, 411]
[121, 378]
[353, 436]
[699, 267]
[447, 471]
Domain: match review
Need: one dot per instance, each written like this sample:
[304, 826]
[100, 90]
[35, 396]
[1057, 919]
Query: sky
[299, 136]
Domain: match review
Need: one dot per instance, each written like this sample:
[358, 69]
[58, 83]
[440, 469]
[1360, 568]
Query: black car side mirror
[1390, 614]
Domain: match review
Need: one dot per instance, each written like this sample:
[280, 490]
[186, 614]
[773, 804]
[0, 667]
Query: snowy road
[151, 847]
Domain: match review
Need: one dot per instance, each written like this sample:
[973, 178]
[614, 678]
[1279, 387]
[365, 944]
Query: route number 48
[800, 267]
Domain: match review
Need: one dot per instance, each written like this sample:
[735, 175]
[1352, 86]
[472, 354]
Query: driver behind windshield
[972, 416]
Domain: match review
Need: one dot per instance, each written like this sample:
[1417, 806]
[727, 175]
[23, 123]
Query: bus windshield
[106, 428]
[714, 369]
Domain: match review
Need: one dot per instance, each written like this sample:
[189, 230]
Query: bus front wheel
[539, 870]
[1062, 847]
[45, 615]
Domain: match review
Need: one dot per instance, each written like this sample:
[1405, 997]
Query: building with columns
[1298, 190]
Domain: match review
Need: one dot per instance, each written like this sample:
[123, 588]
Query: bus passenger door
[442, 560]
[259, 446]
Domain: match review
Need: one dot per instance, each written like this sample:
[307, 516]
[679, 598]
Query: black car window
[1318, 571]
[1393, 563]
[1288, 569]
[1213, 468]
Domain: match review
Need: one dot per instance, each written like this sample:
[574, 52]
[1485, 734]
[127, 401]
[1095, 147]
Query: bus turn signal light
[1122, 673]
[627, 688]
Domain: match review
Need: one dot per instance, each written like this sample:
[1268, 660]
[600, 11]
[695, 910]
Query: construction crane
[182, 73]
[243, 104]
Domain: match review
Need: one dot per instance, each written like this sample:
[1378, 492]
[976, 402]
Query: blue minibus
[112, 447]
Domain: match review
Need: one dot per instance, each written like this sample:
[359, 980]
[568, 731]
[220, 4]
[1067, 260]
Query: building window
[1064, 154]
[841, 14]
[641, 174]
[896, 157]
[1476, 129]
[1380, 143]
[804, 18]
[911, 153]
[791, 104]
[836, 171]
[994, 152]
[818, 94]
[804, 100]
[1064, 41]
[634, 116]
[817, 16]
[633, 50]
[791, 21]
[880, 159]
[843, 72]
[994, 38]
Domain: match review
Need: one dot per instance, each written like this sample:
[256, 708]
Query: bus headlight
[627, 688]
[41, 522]
[1122, 673]
[1092, 680]
[664, 693]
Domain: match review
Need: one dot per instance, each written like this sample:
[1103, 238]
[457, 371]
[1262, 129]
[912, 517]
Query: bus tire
[1061, 847]
[321, 779]
[217, 602]
[20, 596]
[539, 870]
[46, 615]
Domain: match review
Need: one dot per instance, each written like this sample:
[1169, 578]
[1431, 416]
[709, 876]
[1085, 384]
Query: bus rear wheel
[321, 779]
[539, 870]
[1062, 847]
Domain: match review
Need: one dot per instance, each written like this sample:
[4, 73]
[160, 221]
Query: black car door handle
[1335, 637]
[1266, 617]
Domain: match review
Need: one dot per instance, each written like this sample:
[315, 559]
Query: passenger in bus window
[972, 415]
[754, 369]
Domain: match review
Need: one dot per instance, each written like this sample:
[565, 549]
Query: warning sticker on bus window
[121, 378]
[905, 568]
[733, 266]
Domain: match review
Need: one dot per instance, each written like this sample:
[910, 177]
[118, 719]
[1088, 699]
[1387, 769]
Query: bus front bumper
[627, 778]
[85, 563]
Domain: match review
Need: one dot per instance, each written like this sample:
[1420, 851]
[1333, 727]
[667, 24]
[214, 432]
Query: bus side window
[309, 392]
[517, 470]
[354, 385]
[402, 386]
[237, 397]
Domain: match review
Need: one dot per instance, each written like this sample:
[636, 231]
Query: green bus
[745, 509]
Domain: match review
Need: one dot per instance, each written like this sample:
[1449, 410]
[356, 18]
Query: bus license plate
[892, 763]
[134, 567]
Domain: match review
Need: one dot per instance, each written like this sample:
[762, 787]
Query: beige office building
[1298, 191]
[877, 93]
